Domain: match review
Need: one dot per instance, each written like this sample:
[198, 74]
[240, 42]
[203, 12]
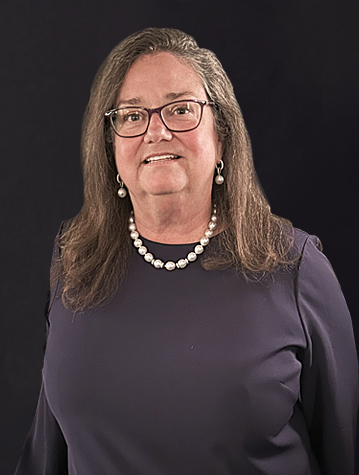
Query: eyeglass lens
[129, 121]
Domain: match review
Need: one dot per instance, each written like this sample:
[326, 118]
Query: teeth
[160, 157]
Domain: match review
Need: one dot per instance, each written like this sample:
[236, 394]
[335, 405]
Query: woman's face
[152, 81]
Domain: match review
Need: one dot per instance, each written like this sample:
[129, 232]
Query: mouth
[161, 158]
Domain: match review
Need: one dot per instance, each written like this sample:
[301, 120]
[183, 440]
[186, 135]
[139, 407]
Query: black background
[294, 67]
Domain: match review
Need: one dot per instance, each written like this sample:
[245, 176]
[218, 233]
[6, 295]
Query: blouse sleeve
[329, 383]
[45, 449]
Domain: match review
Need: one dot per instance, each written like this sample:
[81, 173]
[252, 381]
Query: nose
[157, 130]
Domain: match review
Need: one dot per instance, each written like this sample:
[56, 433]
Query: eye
[132, 117]
[181, 109]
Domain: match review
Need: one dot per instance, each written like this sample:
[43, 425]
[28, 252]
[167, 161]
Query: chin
[166, 187]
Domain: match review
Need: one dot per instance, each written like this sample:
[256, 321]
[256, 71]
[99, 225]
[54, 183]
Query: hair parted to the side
[96, 247]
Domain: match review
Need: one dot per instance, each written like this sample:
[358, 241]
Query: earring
[122, 192]
[219, 178]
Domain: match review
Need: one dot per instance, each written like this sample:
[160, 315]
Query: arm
[329, 383]
[45, 449]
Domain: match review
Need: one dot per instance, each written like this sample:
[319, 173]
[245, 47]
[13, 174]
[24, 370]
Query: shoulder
[309, 249]
[305, 247]
[318, 292]
[314, 272]
[313, 265]
[64, 226]
[56, 253]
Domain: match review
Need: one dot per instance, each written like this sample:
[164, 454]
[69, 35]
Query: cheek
[208, 142]
[119, 151]
[207, 151]
[125, 152]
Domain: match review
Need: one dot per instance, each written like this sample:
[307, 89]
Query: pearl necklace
[170, 265]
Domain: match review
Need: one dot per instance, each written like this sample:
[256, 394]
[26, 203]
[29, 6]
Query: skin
[171, 199]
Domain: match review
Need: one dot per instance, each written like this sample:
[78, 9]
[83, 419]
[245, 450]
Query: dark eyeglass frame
[157, 110]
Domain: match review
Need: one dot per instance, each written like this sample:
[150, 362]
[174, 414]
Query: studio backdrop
[294, 70]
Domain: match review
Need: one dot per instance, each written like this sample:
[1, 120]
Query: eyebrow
[177, 95]
[133, 101]
[171, 96]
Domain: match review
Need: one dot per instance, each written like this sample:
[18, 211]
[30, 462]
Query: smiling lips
[161, 158]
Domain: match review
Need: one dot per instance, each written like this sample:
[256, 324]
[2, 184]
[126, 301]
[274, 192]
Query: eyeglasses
[177, 116]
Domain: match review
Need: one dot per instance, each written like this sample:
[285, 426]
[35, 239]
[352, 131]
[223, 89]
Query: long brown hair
[96, 248]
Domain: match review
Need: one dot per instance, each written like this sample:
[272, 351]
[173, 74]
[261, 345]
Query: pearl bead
[170, 265]
[181, 264]
[122, 193]
[148, 257]
[204, 241]
[158, 264]
[219, 179]
[192, 256]
[198, 249]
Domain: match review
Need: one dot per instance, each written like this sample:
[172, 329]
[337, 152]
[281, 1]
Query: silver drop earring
[122, 192]
[219, 178]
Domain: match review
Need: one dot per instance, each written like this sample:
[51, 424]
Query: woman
[190, 330]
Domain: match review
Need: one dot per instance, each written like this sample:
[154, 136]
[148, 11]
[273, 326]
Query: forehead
[158, 76]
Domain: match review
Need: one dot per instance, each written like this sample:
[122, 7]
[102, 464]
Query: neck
[169, 221]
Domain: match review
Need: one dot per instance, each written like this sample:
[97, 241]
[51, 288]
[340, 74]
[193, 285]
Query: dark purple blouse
[196, 372]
